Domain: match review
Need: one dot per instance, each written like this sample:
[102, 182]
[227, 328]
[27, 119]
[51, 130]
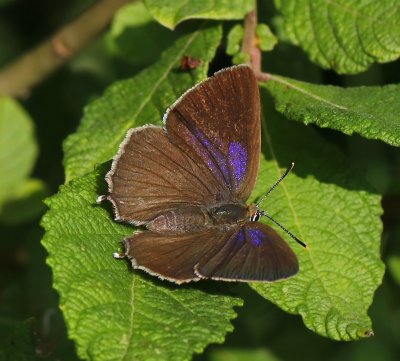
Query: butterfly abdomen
[180, 220]
[193, 218]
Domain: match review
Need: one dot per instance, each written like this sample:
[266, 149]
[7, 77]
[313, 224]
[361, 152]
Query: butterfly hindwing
[170, 256]
[253, 252]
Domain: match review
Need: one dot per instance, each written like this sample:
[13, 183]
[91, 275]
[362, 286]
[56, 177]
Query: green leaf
[130, 26]
[170, 13]
[373, 112]
[113, 313]
[234, 40]
[26, 204]
[329, 206]
[266, 38]
[136, 101]
[384, 345]
[234, 45]
[324, 202]
[347, 36]
[19, 345]
[394, 267]
[241, 58]
[18, 148]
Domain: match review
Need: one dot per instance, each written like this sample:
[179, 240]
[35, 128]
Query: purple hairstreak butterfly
[188, 182]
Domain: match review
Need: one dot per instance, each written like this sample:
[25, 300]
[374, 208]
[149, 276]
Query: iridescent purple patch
[216, 155]
[233, 169]
[256, 236]
[237, 157]
[240, 237]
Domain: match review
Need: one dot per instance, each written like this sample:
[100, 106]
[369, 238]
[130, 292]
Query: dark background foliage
[56, 106]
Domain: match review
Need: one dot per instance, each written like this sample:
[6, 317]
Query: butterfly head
[254, 212]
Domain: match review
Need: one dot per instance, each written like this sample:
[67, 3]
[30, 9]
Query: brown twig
[250, 41]
[18, 78]
[250, 45]
[262, 77]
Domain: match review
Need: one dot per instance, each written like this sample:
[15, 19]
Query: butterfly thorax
[230, 213]
[189, 218]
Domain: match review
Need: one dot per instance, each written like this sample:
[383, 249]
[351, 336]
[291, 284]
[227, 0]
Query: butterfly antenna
[265, 214]
[276, 183]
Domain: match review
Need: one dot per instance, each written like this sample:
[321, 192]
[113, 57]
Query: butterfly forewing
[218, 123]
[151, 175]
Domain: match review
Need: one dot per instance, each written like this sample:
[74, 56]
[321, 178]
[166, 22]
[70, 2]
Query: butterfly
[188, 182]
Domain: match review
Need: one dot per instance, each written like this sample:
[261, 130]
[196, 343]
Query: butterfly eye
[255, 217]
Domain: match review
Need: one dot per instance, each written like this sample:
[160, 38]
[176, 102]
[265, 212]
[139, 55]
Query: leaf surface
[394, 267]
[324, 202]
[26, 203]
[18, 148]
[171, 12]
[113, 313]
[136, 101]
[329, 206]
[130, 26]
[371, 111]
[347, 36]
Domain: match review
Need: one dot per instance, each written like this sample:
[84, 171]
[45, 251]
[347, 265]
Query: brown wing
[171, 257]
[150, 175]
[218, 123]
[254, 252]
